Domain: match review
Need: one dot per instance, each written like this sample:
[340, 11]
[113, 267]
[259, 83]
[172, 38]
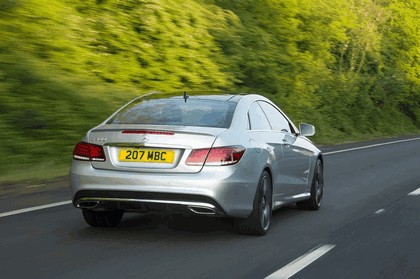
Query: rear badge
[144, 138]
[99, 139]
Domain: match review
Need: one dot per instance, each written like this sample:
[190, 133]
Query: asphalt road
[368, 227]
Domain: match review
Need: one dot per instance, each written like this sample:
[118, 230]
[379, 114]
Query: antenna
[186, 96]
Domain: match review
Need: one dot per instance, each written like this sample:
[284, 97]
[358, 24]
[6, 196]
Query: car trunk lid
[143, 148]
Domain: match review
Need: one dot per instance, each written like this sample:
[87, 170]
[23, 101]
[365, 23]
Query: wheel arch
[321, 158]
[270, 173]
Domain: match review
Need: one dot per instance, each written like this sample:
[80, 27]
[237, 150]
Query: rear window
[176, 111]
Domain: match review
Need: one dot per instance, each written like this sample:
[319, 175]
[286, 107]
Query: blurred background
[350, 67]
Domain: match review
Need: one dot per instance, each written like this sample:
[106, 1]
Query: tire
[258, 222]
[102, 218]
[317, 190]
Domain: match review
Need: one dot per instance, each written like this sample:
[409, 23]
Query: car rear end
[158, 153]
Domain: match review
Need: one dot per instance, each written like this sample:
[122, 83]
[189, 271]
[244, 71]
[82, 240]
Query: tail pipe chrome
[87, 204]
[202, 210]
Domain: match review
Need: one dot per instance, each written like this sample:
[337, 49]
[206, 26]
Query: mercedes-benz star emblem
[144, 138]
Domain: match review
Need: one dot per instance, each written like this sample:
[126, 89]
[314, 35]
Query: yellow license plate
[146, 155]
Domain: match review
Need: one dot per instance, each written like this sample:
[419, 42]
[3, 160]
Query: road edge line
[34, 208]
[369, 146]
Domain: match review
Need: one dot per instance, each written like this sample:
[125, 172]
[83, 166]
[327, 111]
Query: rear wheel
[317, 190]
[102, 218]
[258, 222]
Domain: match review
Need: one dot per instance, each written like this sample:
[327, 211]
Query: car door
[268, 144]
[293, 168]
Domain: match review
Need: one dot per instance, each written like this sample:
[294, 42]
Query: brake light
[217, 156]
[148, 132]
[88, 152]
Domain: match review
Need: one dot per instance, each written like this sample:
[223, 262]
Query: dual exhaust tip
[199, 210]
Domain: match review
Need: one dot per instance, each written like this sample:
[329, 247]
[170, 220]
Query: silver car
[236, 156]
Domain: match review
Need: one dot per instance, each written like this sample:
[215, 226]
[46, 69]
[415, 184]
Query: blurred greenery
[350, 67]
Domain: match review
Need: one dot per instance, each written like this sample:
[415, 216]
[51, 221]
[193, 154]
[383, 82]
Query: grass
[66, 66]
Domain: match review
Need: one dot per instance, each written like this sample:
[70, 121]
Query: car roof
[222, 97]
[203, 95]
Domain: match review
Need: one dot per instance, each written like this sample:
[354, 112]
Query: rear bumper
[147, 201]
[216, 191]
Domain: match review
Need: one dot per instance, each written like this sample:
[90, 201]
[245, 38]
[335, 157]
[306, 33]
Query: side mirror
[306, 130]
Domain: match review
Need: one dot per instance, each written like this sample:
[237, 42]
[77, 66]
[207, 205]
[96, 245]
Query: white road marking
[380, 211]
[301, 262]
[24, 210]
[415, 192]
[369, 146]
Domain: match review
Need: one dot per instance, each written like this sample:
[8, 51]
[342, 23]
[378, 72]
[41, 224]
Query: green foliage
[351, 67]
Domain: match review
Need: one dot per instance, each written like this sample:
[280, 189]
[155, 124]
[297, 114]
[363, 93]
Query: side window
[276, 118]
[257, 118]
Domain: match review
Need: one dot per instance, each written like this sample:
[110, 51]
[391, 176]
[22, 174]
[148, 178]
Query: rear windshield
[176, 111]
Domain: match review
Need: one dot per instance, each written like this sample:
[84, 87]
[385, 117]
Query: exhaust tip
[87, 204]
[202, 210]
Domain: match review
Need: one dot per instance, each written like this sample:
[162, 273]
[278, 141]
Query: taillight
[217, 156]
[197, 157]
[88, 152]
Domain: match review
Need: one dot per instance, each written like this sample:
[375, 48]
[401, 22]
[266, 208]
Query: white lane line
[301, 262]
[380, 211]
[24, 210]
[415, 192]
[369, 146]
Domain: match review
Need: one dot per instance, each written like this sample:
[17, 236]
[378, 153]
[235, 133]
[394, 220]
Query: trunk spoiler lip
[162, 130]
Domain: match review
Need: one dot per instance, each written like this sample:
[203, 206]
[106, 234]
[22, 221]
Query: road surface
[368, 227]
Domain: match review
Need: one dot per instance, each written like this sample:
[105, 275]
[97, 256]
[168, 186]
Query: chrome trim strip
[183, 203]
[125, 144]
[278, 204]
[300, 196]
